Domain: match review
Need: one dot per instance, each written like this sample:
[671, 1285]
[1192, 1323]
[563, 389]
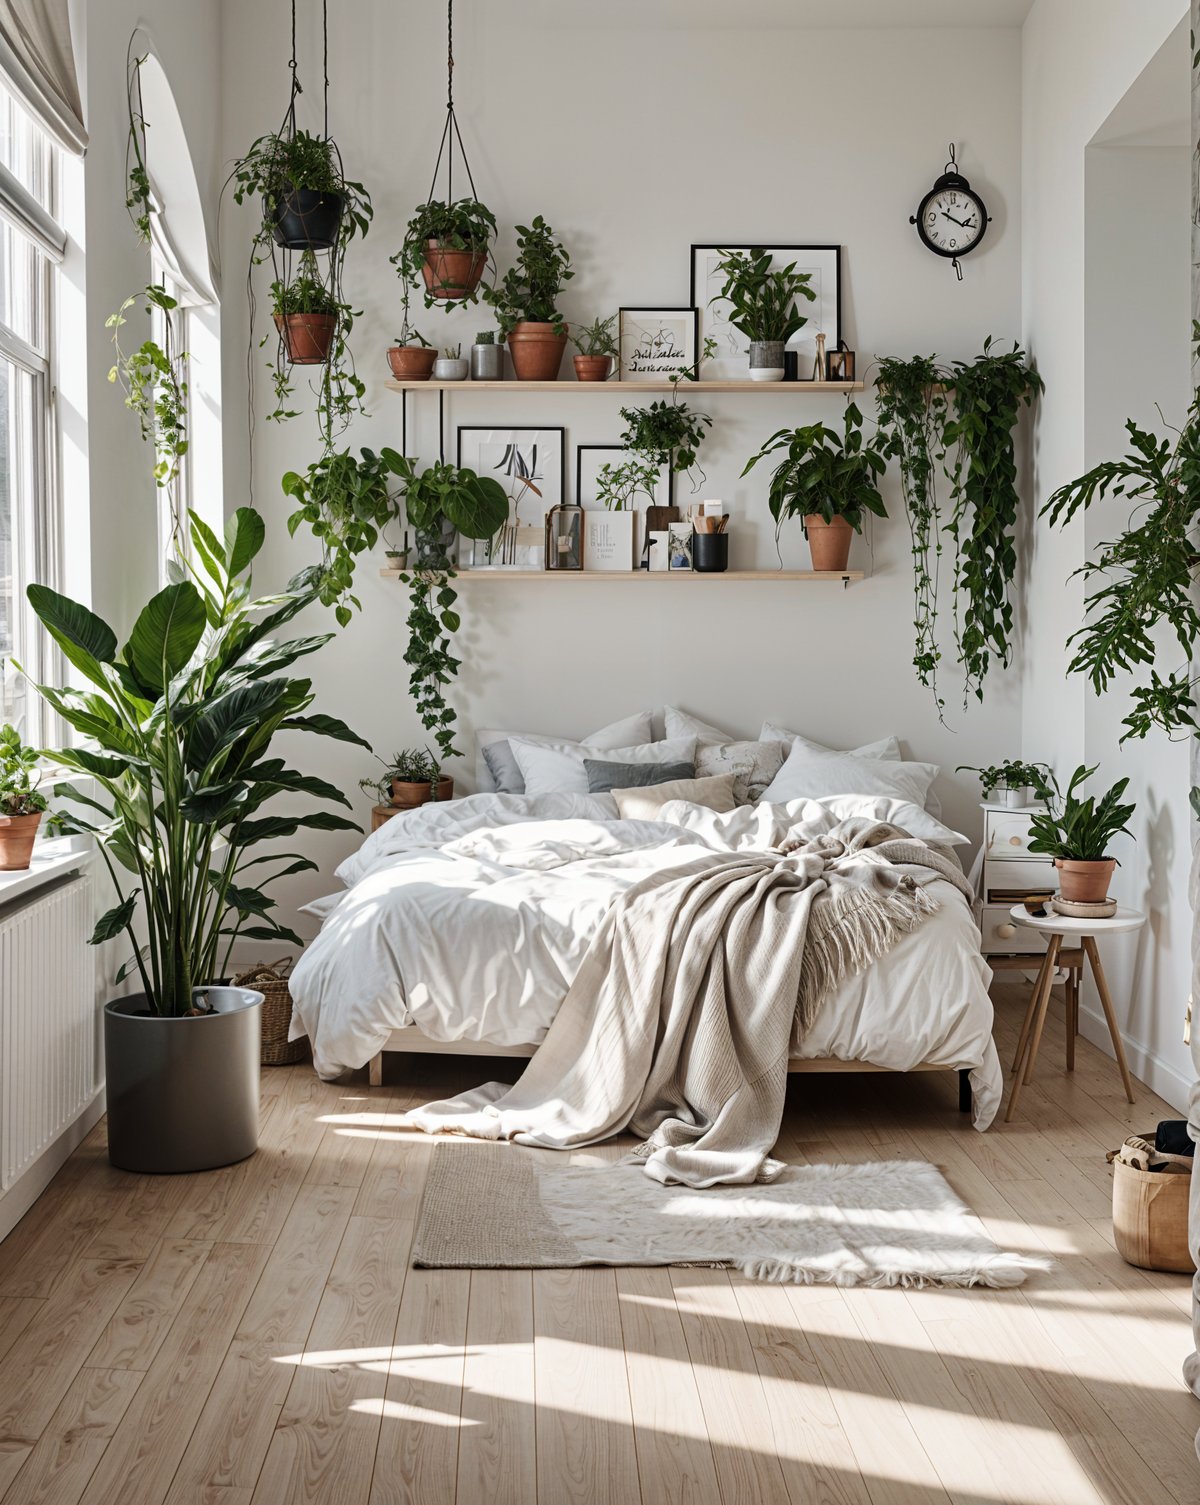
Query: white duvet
[470, 920]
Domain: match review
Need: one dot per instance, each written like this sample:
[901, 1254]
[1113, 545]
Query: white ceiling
[812, 14]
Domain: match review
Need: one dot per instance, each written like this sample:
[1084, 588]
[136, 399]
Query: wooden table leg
[1040, 1002]
[1031, 1009]
[1093, 956]
[1072, 1015]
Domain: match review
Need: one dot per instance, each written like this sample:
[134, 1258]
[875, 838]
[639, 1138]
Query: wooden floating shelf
[625, 386]
[845, 576]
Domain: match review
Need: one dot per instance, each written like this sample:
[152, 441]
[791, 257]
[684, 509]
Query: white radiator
[48, 1049]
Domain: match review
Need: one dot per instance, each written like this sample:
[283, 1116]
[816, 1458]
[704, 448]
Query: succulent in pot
[21, 804]
[1077, 833]
[762, 306]
[1011, 783]
[597, 346]
[450, 365]
[180, 725]
[306, 314]
[411, 778]
[526, 303]
[830, 480]
[412, 356]
[446, 246]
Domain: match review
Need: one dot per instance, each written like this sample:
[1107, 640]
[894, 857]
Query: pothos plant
[462, 225]
[339, 389]
[667, 433]
[153, 382]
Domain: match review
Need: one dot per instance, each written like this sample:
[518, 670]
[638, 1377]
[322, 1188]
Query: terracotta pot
[1085, 882]
[592, 367]
[406, 796]
[308, 338]
[17, 833]
[451, 274]
[412, 362]
[536, 350]
[828, 543]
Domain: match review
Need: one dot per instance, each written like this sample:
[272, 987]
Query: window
[28, 501]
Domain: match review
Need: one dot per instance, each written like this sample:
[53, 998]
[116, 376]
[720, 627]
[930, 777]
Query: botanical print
[657, 343]
[528, 463]
[821, 263]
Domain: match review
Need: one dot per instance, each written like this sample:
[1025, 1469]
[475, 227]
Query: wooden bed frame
[410, 1040]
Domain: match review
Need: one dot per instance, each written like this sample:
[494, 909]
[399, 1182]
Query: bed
[462, 925]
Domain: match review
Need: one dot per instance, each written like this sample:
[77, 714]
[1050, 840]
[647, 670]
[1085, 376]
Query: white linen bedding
[470, 920]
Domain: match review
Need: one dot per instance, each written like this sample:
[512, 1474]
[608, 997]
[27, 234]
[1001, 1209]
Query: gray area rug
[502, 1207]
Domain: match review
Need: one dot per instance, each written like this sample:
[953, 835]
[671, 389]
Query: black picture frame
[617, 449]
[523, 428]
[659, 308]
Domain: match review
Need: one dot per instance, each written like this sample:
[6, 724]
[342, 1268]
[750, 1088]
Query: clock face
[951, 221]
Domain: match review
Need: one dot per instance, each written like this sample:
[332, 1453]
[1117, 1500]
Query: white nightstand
[1010, 871]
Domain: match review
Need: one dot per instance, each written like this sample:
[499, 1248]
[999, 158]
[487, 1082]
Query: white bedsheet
[470, 920]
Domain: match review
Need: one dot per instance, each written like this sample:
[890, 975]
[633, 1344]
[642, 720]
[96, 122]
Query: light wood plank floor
[255, 1334]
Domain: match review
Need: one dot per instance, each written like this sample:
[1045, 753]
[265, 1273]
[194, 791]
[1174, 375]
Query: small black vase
[710, 553]
[306, 220]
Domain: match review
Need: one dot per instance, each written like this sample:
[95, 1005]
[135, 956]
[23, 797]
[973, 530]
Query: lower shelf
[470, 576]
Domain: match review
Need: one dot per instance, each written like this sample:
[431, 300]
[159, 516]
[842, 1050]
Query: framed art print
[824, 313]
[657, 343]
[596, 466]
[530, 463]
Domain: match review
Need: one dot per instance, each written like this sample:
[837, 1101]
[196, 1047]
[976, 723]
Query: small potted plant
[1077, 833]
[487, 357]
[306, 314]
[411, 778]
[830, 480]
[450, 365]
[306, 196]
[21, 806]
[412, 356]
[526, 303]
[1012, 783]
[446, 246]
[597, 348]
[762, 303]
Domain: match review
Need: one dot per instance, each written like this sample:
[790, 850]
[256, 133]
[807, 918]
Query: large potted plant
[762, 306]
[829, 480]
[306, 314]
[526, 303]
[446, 246]
[178, 726]
[412, 778]
[21, 805]
[1077, 833]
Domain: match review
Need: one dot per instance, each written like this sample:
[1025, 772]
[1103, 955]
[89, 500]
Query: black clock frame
[956, 181]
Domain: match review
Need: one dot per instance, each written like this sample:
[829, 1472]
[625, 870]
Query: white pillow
[804, 777]
[644, 804]
[557, 767]
[629, 732]
[887, 749]
[753, 764]
[884, 807]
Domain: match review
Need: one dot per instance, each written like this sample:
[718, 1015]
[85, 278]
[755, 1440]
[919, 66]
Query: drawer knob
[1014, 841]
[1006, 931]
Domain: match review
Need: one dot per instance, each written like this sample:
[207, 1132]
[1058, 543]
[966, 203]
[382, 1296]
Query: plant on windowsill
[21, 804]
[447, 247]
[762, 301]
[1077, 833]
[597, 346]
[176, 730]
[1012, 782]
[412, 777]
[829, 480]
[526, 303]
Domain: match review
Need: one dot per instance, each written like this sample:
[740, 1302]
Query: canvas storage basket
[1150, 1212]
[271, 980]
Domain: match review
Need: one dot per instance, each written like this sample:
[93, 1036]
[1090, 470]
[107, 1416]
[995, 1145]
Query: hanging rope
[450, 131]
[325, 57]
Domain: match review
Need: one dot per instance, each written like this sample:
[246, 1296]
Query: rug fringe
[1000, 1271]
[852, 930]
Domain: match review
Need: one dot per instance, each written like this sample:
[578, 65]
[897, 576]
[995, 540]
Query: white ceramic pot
[1012, 799]
[766, 373]
[448, 370]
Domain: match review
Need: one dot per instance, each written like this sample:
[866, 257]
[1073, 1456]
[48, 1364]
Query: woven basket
[271, 980]
[1150, 1218]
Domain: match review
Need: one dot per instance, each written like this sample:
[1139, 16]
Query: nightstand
[1010, 871]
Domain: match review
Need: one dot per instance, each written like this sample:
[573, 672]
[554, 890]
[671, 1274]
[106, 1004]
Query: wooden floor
[256, 1335]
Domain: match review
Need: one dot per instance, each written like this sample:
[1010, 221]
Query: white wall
[783, 134]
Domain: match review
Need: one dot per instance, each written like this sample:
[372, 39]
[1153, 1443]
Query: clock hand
[951, 217]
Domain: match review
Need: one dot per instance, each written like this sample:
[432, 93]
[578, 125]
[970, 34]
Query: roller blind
[38, 64]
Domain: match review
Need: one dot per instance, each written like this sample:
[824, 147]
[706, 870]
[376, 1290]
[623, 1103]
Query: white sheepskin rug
[893, 1222]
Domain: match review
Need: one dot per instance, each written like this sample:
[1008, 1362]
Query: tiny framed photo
[657, 344]
[679, 546]
[530, 463]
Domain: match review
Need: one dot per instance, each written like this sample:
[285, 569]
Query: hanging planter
[307, 219]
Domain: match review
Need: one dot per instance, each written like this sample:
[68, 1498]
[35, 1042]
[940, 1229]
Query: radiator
[49, 1058]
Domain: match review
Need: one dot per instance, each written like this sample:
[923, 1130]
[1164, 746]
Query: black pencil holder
[710, 553]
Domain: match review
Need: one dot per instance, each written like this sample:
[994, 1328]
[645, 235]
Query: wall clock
[952, 219]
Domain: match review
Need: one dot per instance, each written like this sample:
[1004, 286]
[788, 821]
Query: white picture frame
[530, 463]
[608, 540]
[679, 547]
[824, 314]
[659, 343]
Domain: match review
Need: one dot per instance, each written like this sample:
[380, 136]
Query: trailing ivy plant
[989, 393]
[911, 416]
[668, 433]
[287, 160]
[463, 225]
[138, 201]
[153, 379]
[339, 389]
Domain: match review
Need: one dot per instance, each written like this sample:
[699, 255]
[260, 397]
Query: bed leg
[964, 1091]
[375, 1070]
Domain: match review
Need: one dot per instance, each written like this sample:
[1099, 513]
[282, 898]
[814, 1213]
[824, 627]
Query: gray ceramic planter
[183, 1093]
[766, 360]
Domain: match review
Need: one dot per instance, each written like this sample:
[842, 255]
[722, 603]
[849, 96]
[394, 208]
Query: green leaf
[223, 720]
[116, 920]
[244, 535]
[166, 634]
[324, 726]
[86, 640]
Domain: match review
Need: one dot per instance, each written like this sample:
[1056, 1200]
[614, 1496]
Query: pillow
[557, 767]
[644, 804]
[603, 777]
[496, 768]
[885, 807]
[887, 749]
[753, 764]
[805, 777]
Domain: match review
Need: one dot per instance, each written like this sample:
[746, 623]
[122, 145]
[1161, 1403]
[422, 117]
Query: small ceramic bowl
[447, 370]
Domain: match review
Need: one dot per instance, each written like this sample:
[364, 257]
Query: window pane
[19, 505]
[23, 280]
[26, 150]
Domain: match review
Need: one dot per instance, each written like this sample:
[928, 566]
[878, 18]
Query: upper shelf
[626, 386]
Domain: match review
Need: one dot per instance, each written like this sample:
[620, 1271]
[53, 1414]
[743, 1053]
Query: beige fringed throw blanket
[678, 1023]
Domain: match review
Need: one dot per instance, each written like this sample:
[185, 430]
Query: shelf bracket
[845, 582]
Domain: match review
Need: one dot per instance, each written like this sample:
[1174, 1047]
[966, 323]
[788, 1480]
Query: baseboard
[21, 1196]
[1170, 1084]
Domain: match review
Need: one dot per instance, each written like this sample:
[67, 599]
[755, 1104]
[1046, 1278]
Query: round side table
[1071, 942]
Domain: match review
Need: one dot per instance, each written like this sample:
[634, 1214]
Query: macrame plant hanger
[450, 131]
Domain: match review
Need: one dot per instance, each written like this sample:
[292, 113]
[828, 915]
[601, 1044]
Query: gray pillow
[503, 767]
[602, 776]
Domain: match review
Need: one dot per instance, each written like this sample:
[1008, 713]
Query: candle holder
[564, 537]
